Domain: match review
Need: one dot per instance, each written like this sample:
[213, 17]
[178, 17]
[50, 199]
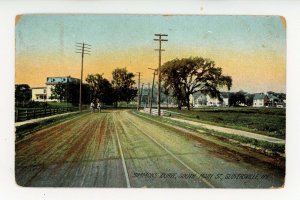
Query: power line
[83, 49]
[159, 39]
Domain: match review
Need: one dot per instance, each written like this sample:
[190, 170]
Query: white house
[201, 100]
[39, 94]
[215, 102]
[198, 100]
[260, 100]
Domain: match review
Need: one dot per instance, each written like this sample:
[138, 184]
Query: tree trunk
[167, 102]
[188, 102]
[179, 104]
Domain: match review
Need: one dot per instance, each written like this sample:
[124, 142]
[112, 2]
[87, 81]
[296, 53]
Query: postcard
[150, 101]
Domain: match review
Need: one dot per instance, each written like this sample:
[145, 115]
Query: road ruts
[207, 158]
[81, 153]
[144, 155]
[116, 148]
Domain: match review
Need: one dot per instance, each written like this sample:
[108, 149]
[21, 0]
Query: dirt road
[120, 149]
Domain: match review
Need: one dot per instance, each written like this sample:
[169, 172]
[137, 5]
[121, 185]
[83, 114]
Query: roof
[197, 95]
[259, 96]
[273, 97]
[60, 79]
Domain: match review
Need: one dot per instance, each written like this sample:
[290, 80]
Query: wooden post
[17, 115]
[159, 66]
[151, 98]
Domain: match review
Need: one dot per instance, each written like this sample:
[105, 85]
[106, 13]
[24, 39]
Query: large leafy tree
[187, 76]
[22, 94]
[237, 98]
[69, 92]
[123, 84]
[100, 89]
[59, 92]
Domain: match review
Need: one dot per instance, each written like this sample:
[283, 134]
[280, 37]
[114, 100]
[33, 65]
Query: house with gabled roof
[272, 100]
[201, 100]
[38, 94]
[260, 100]
[198, 100]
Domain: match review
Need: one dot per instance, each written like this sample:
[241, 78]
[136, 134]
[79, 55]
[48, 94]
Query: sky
[250, 49]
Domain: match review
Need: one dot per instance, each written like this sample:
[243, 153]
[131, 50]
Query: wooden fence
[22, 114]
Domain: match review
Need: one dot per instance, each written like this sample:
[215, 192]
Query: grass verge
[263, 146]
[264, 121]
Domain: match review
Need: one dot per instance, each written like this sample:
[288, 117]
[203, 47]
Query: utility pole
[151, 98]
[139, 82]
[148, 96]
[83, 49]
[159, 39]
[141, 95]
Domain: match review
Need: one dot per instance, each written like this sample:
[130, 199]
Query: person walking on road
[99, 107]
[92, 107]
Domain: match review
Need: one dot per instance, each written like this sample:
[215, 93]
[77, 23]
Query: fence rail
[23, 114]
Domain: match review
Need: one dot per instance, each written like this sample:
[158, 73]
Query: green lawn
[267, 121]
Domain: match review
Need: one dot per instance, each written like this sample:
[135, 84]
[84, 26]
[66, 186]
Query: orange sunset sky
[251, 49]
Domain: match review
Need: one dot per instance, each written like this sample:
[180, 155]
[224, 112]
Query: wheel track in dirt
[50, 153]
[86, 154]
[40, 146]
[170, 153]
[122, 155]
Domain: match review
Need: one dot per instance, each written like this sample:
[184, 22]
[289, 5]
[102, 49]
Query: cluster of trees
[186, 76]
[69, 92]
[99, 89]
[281, 96]
[240, 98]
[22, 94]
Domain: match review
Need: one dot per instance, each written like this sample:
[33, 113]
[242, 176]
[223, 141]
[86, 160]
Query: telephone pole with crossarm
[83, 49]
[159, 39]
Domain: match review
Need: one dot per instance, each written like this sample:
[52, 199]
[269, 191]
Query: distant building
[215, 102]
[201, 100]
[52, 81]
[260, 100]
[39, 94]
[198, 100]
[42, 94]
